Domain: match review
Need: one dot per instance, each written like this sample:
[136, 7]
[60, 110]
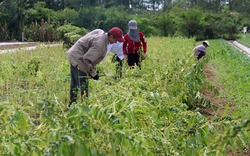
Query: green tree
[229, 23]
[77, 5]
[40, 12]
[66, 16]
[86, 17]
[166, 24]
[116, 16]
[210, 26]
[145, 26]
[12, 17]
[241, 6]
[111, 3]
[190, 25]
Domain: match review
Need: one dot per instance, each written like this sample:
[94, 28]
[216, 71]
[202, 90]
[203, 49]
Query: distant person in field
[85, 54]
[200, 50]
[116, 48]
[134, 45]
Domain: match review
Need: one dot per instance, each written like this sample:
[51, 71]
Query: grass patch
[244, 39]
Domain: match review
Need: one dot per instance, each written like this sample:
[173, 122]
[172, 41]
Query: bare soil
[218, 102]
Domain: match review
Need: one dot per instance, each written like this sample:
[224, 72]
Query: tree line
[53, 20]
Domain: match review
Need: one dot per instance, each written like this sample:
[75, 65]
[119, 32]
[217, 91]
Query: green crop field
[159, 110]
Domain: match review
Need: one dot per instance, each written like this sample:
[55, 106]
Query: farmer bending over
[200, 50]
[85, 54]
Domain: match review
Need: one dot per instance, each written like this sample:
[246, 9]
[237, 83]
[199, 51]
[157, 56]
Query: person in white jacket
[116, 48]
[200, 50]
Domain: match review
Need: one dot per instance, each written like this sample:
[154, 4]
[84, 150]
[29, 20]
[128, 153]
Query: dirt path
[219, 103]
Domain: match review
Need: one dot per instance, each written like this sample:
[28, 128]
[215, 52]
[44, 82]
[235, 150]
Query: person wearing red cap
[134, 45]
[85, 54]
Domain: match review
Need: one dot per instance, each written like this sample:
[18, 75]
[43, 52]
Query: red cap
[117, 33]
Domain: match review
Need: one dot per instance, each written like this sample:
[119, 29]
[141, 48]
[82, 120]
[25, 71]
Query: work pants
[79, 81]
[118, 67]
[134, 59]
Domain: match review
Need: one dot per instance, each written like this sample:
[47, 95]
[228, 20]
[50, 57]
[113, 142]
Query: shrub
[69, 34]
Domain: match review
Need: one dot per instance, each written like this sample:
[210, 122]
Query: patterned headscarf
[134, 35]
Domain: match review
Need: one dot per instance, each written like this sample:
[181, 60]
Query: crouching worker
[85, 54]
[116, 48]
[200, 50]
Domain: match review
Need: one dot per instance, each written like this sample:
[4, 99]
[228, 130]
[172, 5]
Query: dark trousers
[118, 67]
[200, 55]
[134, 59]
[78, 81]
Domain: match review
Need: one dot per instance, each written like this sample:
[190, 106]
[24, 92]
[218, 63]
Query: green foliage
[245, 39]
[67, 16]
[86, 17]
[43, 32]
[145, 25]
[229, 24]
[232, 74]
[199, 23]
[191, 26]
[62, 30]
[3, 33]
[115, 16]
[40, 26]
[199, 19]
[33, 66]
[245, 21]
[146, 112]
[40, 12]
[70, 34]
[166, 24]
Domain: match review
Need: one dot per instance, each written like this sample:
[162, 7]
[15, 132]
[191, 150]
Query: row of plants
[231, 68]
[153, 111]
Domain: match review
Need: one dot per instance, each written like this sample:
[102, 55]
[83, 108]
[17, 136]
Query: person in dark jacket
[200, 50]
[85, 54]
[134, 45]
